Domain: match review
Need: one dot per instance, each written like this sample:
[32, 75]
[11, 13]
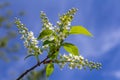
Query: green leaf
[45, 33]
[28, 56]
[49, 69]
[48, 42]
[80, 30]
[71, 48]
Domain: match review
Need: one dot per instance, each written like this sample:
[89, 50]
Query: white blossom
[61, 36]
[56, 29]
[74, 61]
[69, 23]
[68, 28]
[30, 41]
[51, 38]
[45, 46]
[58, 23]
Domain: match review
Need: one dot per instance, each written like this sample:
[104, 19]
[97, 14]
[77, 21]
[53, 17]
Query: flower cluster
[65, 19]
[64, 23]
[46, 26]
[60, 32]
[45, 21]
[77, 62]
[30, 41]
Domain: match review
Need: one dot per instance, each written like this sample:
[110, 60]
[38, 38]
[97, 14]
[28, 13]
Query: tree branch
[38, 64]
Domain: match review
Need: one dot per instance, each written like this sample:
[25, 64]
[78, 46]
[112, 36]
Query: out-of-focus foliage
[7, 32]
[7, 24]
[36, 75]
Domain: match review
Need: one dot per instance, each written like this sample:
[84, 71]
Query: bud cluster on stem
[30, 42]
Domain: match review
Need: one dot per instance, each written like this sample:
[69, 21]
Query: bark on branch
[32, 68]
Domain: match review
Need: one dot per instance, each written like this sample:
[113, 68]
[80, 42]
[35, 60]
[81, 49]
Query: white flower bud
[29, 38]
[68, 28]
[51, 38]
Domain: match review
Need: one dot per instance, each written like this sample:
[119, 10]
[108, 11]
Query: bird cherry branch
[32, 68]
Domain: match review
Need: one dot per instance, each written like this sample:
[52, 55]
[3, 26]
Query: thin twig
[38, 64]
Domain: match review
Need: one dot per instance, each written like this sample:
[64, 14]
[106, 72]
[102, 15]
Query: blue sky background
[100, 17]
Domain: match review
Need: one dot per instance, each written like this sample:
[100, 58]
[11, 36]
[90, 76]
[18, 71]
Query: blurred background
[100, 17]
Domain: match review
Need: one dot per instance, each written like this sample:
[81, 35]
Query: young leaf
[47, 42]
[45, 33]
[49, 69]
[71, 48]
[80, 30]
